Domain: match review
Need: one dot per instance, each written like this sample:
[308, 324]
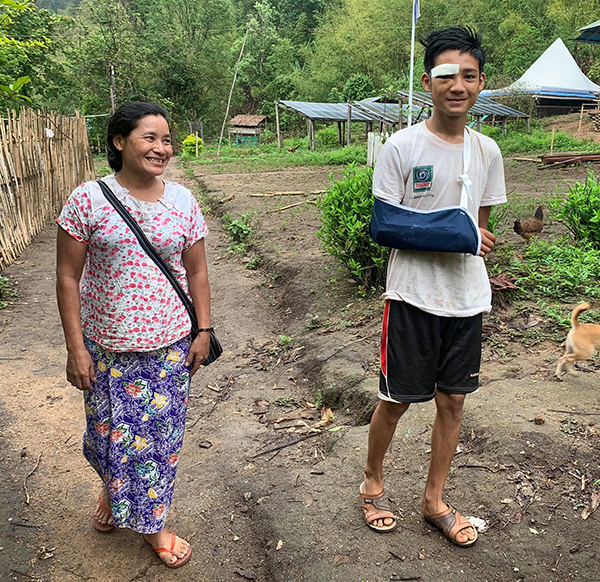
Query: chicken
[293, 149]
[531, 226]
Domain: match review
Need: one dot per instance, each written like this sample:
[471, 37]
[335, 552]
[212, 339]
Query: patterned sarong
[135, 423]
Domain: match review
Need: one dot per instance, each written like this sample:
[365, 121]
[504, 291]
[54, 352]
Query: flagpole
[412, 63]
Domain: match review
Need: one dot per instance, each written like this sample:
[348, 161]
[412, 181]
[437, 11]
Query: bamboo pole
[552, 140]
[580, 119]
[237, 66]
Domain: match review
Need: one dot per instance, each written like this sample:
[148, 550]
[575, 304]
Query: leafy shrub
[358, 87]
[581, 210]
[327, 137]
[188, 146]
[346, 210]
[560, 269]
[240, 231]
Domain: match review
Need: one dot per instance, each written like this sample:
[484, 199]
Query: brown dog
[582, 341]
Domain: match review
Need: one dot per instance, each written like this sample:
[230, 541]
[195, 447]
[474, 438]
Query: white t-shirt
[416, 168]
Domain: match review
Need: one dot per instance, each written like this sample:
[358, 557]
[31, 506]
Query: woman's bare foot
[164, 540]
[103, 519]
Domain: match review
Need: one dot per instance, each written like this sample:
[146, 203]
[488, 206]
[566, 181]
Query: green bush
[358, 87]
[356, 154]
[346, 210]
[240, 231]
[327, 137]
[581, 210]
[188, 146]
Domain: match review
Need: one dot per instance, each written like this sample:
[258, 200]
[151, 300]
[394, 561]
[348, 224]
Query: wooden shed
[246, 129]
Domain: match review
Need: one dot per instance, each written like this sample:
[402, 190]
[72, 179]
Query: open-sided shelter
[555, 81]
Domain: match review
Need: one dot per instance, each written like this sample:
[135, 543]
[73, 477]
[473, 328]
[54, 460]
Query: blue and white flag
[416, 11]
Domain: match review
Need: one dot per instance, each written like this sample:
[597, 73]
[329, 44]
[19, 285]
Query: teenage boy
[431, 344]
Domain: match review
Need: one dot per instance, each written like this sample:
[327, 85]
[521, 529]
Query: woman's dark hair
[123, 121]
[461, 38]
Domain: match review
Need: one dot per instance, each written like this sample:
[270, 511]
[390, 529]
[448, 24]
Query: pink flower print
[116, 484]
[116, 435]
[132, 389]
[102, 428]
[173, 459]
[159, 510]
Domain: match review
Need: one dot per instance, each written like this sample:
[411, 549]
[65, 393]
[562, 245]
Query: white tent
[554, 75]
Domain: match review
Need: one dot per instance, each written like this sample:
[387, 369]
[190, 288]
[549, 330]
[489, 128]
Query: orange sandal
[103, 527]
[180, 561]
[450, 523]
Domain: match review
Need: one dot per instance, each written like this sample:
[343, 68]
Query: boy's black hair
[123, 121]
[461, 38]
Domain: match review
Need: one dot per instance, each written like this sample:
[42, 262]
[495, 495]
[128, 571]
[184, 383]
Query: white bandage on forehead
[446, 69]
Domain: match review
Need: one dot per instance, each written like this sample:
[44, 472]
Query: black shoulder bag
[215, 347]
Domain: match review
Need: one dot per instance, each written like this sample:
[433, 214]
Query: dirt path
[291, 515]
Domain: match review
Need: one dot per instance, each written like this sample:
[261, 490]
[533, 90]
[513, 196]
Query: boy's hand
[488, 241]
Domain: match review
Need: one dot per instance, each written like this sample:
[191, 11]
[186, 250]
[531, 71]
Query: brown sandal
[377, 507]
[180, 561]
[450, 522]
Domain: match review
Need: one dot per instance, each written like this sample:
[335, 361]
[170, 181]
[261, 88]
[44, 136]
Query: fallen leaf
[279, 545]
[248, 574]
[506, 501]
[335, 428]
[326, 417]
[263, 403]
[339, 560]
[534, 531]
[310, 405]
[594, 503]
[309, 414]
[421, 556]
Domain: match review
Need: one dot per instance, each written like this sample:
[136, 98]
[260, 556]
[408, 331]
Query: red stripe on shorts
[384, 336]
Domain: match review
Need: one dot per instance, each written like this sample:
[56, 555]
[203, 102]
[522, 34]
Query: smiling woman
[127, 332]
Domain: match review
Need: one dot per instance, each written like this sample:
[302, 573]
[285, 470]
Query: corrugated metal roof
[483, 106]
[247, 120]
[589, 33]
[327, 111]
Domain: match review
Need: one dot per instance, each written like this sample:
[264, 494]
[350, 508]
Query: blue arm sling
[452, 229]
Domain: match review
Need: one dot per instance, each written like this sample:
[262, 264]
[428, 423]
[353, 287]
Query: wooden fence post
[279, 140]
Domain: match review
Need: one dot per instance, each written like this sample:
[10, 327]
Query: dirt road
[292, 514]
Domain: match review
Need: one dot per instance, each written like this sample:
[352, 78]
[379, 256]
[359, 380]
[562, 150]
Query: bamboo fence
[43, 157]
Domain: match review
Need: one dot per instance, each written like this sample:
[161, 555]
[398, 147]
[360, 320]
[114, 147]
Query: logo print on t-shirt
[422, 178]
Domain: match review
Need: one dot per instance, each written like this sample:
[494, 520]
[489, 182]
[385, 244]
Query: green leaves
[11, 91]
[581, 211]
[346, 213]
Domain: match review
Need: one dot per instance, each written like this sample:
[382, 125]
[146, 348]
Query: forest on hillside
[91, 54]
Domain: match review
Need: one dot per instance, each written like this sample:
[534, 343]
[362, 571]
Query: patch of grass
[559, 269]
[8, 291]
[286, 401]
[538, 141]
[265, 157]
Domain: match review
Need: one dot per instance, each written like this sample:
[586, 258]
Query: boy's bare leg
[444, 439]
[383, 424]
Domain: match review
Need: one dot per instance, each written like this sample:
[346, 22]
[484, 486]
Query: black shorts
[422, 352]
